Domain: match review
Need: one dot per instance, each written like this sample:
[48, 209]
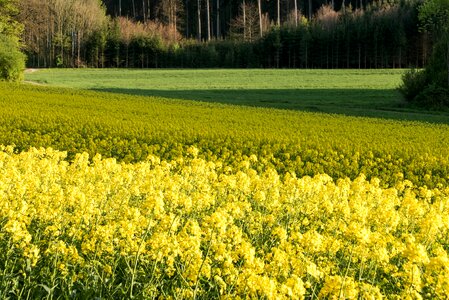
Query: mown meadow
[350, 92]
[112, 195]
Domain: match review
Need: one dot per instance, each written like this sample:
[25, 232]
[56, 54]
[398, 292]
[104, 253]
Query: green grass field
[351, 92]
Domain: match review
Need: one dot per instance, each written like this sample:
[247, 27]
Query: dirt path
[29, 71]
[32, 82]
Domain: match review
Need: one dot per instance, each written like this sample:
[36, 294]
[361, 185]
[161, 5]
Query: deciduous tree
[12, 61]
[434, 16]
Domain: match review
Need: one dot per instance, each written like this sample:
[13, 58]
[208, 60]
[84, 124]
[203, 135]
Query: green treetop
[12, 61]
[434, 17]
[9, 26]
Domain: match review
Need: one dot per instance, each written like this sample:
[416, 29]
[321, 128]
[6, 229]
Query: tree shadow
[382, 103]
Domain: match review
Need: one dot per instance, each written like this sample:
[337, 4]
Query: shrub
[433, 96]
[413, 83]
[12, 61]
[428, 87]
[423, 89]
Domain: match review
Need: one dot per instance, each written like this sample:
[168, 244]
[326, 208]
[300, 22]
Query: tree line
[206, 19]
[352, 34]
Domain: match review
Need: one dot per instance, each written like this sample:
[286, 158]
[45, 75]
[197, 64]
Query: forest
[223, 33]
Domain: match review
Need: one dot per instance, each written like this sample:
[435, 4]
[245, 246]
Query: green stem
[346, 273]
[202, 263]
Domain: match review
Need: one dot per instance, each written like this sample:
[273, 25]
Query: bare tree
[61, 10]
[246, 25]
[170, 12]
[327, 19]
[57, 29]
[87, 16]
[35, 17]
[293, 18]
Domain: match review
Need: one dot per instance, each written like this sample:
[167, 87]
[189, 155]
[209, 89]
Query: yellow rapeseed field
[150, 198]
[194, 228]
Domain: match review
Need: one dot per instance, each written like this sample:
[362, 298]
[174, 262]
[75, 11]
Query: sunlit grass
[350, 92]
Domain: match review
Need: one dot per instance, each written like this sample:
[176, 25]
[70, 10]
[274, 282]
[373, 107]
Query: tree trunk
[134, 9]
[424, 52]
[244, 19]
[78, 60]
[73, 62]
[208, 19]
[348, 46]
[50, 47]
[62, 46]
[175, 18]
[199, 20]
[307, 55]
[375, 50]
[38, 55]
[127, 55]
[296, 13]
[259, 4]
[337, 52]
[218, 19]
[360, 56]
[120, 8]
[187, 19]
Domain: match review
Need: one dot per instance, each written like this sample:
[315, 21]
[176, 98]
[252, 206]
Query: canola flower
[194, 228]
[129, 128]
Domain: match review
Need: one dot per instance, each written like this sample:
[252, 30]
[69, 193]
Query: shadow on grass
[384, 103]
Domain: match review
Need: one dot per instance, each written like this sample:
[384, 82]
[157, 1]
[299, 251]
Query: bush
[429, 87]
[433, 96]
[413, 83]
[421, 88]
[12, 61]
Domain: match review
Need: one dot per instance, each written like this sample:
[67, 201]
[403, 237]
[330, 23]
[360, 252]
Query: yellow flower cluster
[131, 128]
[191, 228]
